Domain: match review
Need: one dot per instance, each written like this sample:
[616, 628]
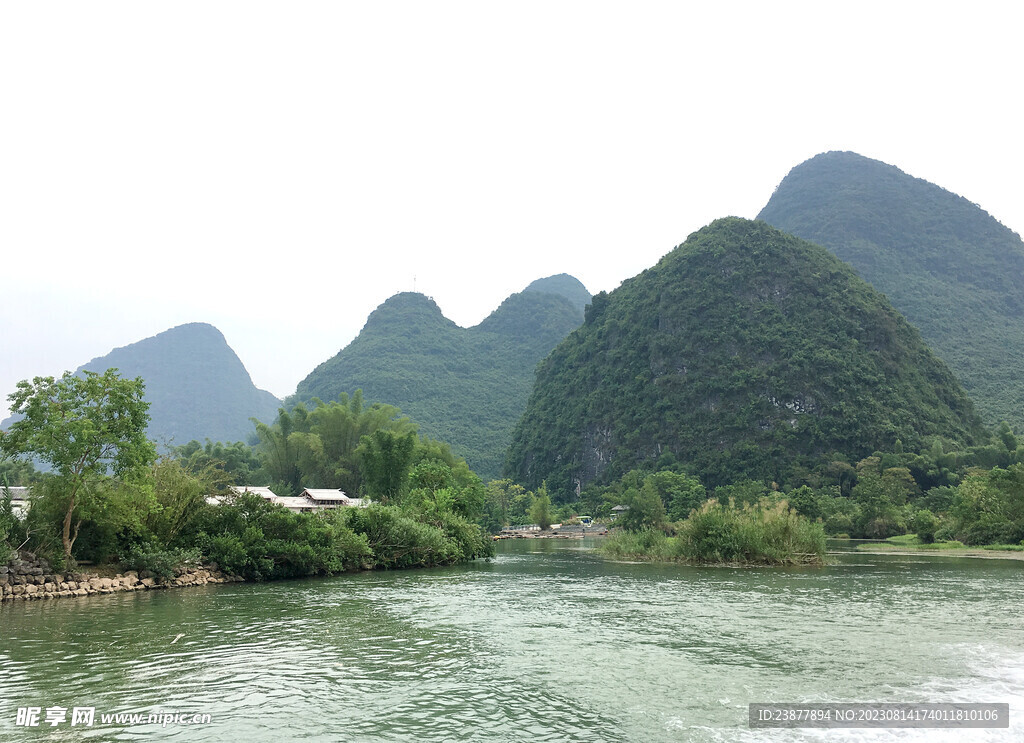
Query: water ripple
[543, 644]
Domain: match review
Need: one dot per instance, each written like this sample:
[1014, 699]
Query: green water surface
[547, 642]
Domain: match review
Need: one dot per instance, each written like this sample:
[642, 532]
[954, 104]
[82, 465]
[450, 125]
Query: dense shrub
[768, 533]
[261, 541]
[989, 507]
[650, 544]
[765, 533]
[8, 525]
[399, 540]
[838, 523]
[158, 560]
[924, 524]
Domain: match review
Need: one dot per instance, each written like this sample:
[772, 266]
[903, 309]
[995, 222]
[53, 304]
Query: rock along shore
[27, 577]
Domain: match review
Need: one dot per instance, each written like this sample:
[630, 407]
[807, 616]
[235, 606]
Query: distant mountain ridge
[744, 353]
[196, 385]
[945, 263]
[464, 386]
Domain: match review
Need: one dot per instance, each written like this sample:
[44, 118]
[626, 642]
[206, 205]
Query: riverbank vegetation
[941, 495]
[428, 507]
[764, 533]
[913, 543]
[153, 513]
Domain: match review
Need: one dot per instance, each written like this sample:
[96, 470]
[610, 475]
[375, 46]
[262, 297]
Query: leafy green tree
[924, 524]
[989, 507]
[646, 511]
[679, 492]
[385, 457]
[506, 503]
[842, 474]
[431, 475]
[277, 453]
[434, 481]
[540, 507]
[8, 523]
[341, 426]
[238, 461]
[16, 472]
[179, 497]
[880, 496]
[88, 429]
[321, 447]
[804, 501]
[116, 519]
[1005, 435]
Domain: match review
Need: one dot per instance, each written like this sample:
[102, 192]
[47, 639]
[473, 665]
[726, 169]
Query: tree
[540, 508]
[179, 495]
[646, 511]
[277, 452]
[924, 524]
[880, 496]
[90, 429]
[8, 522]
[324, 447]
[679, 492]
[386, 457]
[236, 460]
[15, 473]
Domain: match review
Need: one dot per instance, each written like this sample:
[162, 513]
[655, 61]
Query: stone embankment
[28, 577]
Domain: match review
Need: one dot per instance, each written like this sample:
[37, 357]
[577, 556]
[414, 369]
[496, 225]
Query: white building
[310, 499]
[327, 498]
[19, 499]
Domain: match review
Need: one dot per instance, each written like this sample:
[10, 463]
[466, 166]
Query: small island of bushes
[764, 533]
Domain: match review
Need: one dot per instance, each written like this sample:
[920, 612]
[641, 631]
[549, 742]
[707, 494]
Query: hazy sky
[280, 169]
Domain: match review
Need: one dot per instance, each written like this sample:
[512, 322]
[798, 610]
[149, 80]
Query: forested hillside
[744, 353]
[951, 268]
[465, 386]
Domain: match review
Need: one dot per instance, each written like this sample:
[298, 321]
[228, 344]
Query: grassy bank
[911, 543]
[724, 534]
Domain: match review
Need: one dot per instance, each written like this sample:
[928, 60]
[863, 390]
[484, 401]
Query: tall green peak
[407, 308]
[196, 385]
[745, 352]
[465, 386]
[537, 320]
[563, 285]
[945, 263]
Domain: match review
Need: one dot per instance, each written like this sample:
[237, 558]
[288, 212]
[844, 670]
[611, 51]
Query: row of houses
[310, 499]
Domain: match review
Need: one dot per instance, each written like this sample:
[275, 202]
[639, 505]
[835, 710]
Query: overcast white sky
[280, 169]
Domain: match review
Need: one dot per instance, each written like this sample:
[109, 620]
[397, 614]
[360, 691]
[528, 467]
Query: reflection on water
[547, 642]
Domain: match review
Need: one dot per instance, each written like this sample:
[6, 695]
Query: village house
[310, 499]
[19, 499]
[326, 498]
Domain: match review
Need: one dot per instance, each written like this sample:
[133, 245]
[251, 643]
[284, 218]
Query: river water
[547, 642]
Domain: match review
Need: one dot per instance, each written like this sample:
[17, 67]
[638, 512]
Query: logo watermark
[33, 717]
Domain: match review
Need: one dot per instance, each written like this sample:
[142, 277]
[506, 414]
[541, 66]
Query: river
[547, 642]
